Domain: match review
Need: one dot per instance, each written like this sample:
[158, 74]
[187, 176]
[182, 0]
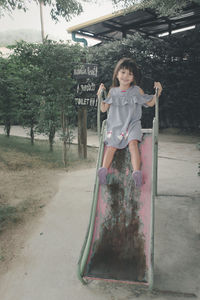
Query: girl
[124, 101]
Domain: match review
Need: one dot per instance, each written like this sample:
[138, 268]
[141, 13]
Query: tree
[57, 110]
[162, 7]
[70, 8]
[30, 98]
[9, 95]
[30, 77]
[47, 87]
[59, 8]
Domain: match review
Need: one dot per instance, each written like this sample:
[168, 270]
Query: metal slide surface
[119, 242]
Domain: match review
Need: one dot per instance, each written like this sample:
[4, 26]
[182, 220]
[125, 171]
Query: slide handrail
[100, 98]
[155, 132]
[88, 238]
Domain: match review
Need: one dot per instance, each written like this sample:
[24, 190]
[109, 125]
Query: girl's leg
[135, 155]
[136, 162]
[108, 157]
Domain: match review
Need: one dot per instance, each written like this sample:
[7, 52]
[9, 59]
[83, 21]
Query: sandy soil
[29, 191]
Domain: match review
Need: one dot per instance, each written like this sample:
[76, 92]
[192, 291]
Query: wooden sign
[86, 71]
[86, 101]
[86, 88]
[85, 96]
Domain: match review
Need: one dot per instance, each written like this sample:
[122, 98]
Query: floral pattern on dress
[123, 135]
[109, 133]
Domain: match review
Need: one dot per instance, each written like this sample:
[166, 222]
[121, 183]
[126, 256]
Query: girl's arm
[104, 106]
[152, 102]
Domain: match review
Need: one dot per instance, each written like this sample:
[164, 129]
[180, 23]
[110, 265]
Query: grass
[32, 155]
[8, 214]
[12, 146]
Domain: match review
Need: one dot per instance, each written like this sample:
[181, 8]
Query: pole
[156, 141]
[41, 3]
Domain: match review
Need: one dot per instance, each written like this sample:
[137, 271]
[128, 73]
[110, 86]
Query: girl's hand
[157, 85]
[101, 87]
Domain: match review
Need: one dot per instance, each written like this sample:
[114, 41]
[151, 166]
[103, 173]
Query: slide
[119, 241]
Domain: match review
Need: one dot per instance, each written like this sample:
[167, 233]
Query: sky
[31, 19]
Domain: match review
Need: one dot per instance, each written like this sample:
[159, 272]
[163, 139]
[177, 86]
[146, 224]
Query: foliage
[9, 87]
[30, 75]
[70, 8]
[174, 61]
[59, 8]
[48, 88]
[57, 109]
[63, 8]
[162, 7]
[11, 5]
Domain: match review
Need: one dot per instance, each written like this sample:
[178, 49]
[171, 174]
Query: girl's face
[125, 78]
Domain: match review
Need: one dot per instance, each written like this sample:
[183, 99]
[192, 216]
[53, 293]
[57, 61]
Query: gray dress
[123, 122]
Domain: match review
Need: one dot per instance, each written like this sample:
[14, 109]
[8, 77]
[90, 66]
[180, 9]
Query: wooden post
[82, 132]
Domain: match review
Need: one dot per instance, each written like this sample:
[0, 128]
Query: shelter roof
[145, 21]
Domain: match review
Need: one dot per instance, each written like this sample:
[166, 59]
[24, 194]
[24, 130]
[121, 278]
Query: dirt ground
[27, 187]
[15, 191]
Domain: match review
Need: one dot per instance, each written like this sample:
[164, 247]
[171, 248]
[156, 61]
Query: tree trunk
[51, 137]
[64, 127]
[32, 135]
[68, 135]
[7, 128]
[82, 132]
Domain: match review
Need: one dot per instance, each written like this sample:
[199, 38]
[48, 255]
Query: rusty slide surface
[119, 241]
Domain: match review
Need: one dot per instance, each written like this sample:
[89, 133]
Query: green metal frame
[155, 136]
[88, 239]
[155, 132]
[102, 96]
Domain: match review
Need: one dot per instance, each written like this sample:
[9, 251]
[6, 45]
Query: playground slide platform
[119, 241]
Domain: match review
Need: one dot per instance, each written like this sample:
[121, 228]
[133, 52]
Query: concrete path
[45, 269]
